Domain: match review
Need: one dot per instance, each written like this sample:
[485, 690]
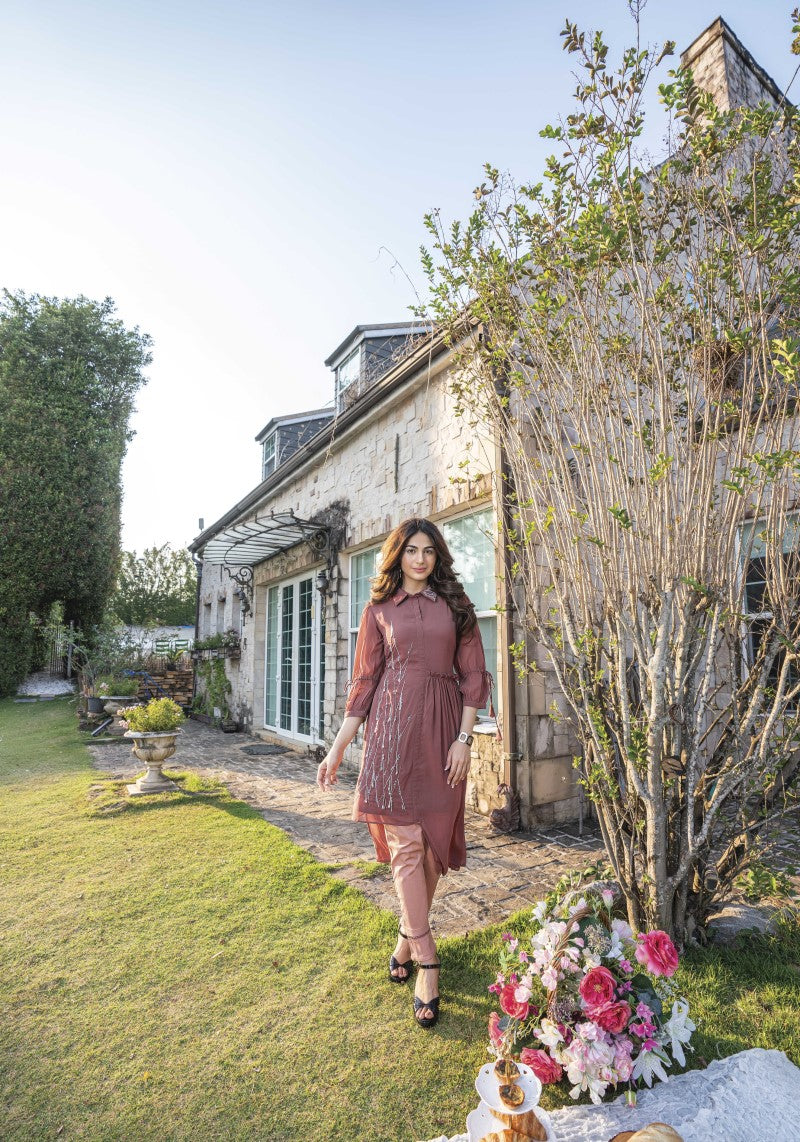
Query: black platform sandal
[433, 1004]
[394, 964]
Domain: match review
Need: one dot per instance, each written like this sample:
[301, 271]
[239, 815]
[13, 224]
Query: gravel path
[44, 685]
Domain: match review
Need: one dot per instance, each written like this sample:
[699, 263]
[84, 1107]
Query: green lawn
[174, 967]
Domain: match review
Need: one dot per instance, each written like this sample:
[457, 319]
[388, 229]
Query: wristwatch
[465, 738]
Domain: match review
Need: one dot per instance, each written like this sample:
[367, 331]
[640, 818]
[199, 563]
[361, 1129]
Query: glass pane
[321, 719]
[755, 585]
[268, 455]
[758, 629]
[304, 657]
[488, 629]
[757, 530]
[761, 568]
[349, 370]
[271, 668]
[287, 622]
[469, 540]
[362, 568]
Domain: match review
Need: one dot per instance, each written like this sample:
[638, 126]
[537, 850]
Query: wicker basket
[573, 922]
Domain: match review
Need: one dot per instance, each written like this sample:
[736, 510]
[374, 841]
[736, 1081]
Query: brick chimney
[723, 66]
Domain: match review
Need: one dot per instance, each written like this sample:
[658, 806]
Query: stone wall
[177, 683]
[486, 773]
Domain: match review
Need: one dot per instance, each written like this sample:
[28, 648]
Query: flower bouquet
[594, 1002]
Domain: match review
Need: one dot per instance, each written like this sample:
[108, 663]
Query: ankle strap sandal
[431, 1004]
[394, 965]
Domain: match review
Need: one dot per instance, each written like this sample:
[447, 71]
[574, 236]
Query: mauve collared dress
[411, 678]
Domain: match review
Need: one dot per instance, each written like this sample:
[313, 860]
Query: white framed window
[363, 567]
[269, 455]
[753, 545]
[348, 373]
[469, 538]
[294, 673]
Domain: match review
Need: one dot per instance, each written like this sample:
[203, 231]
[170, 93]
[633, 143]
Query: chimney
[722, 65]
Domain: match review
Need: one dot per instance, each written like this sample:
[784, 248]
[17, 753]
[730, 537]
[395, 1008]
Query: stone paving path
[503, 873]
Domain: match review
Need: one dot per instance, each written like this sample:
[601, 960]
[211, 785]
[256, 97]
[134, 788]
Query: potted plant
[153, 728]
[173, 656]
[116, 691]
[227, 645]
[87, 670]
[94, 703]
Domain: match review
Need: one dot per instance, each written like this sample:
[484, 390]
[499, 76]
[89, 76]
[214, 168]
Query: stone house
[288, 566]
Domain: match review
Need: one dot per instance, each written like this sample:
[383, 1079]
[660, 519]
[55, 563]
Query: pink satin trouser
[416, 874]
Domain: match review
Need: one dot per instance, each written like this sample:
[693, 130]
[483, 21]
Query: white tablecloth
[750, 1097]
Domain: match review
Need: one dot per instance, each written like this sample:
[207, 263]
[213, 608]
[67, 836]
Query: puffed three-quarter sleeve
[368, 666]
[474, 681]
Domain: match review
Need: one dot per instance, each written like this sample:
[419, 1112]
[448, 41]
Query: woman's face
[418, 561]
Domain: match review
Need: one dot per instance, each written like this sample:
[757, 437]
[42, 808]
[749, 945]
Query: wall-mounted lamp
[323, 581]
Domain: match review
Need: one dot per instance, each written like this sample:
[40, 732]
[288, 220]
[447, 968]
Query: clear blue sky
[248, 181]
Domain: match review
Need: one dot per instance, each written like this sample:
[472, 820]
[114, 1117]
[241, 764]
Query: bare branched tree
[631, 334]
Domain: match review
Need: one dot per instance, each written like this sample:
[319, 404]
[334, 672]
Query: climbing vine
[213, 688]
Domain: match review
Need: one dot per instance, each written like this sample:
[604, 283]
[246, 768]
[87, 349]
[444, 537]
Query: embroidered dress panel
[411, 678]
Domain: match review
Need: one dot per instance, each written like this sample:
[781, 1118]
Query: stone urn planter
[113, 703]
[152, 749]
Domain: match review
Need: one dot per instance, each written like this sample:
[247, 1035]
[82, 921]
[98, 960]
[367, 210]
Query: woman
[419, 675]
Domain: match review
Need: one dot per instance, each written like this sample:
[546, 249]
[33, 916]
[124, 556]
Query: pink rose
[597, 988]
[614, 1017]
[495, 1034]
[657, 952]
[546, 1069]
[511, 1005]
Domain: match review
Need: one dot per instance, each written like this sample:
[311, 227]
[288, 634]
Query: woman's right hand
[326, 771]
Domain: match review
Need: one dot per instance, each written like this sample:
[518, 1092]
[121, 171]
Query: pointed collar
[399, 596]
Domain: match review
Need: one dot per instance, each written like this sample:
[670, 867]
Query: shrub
[16, 649]
[116, 685]
[160, 715]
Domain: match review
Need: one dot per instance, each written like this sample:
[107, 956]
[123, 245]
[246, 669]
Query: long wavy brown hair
[443, 579]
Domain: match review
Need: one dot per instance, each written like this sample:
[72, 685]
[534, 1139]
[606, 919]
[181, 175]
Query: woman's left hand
[457, 765]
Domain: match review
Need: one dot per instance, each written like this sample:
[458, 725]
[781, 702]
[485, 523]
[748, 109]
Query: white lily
[540, 910]
[649, 1065]
[549, 1033]
[622, 929]
[679, 1028]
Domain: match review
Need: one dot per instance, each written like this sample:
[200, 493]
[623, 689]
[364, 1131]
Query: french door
[295, 660]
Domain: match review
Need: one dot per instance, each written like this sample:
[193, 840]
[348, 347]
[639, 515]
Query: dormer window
[269, 455]
[367, 354]
[348, 373]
